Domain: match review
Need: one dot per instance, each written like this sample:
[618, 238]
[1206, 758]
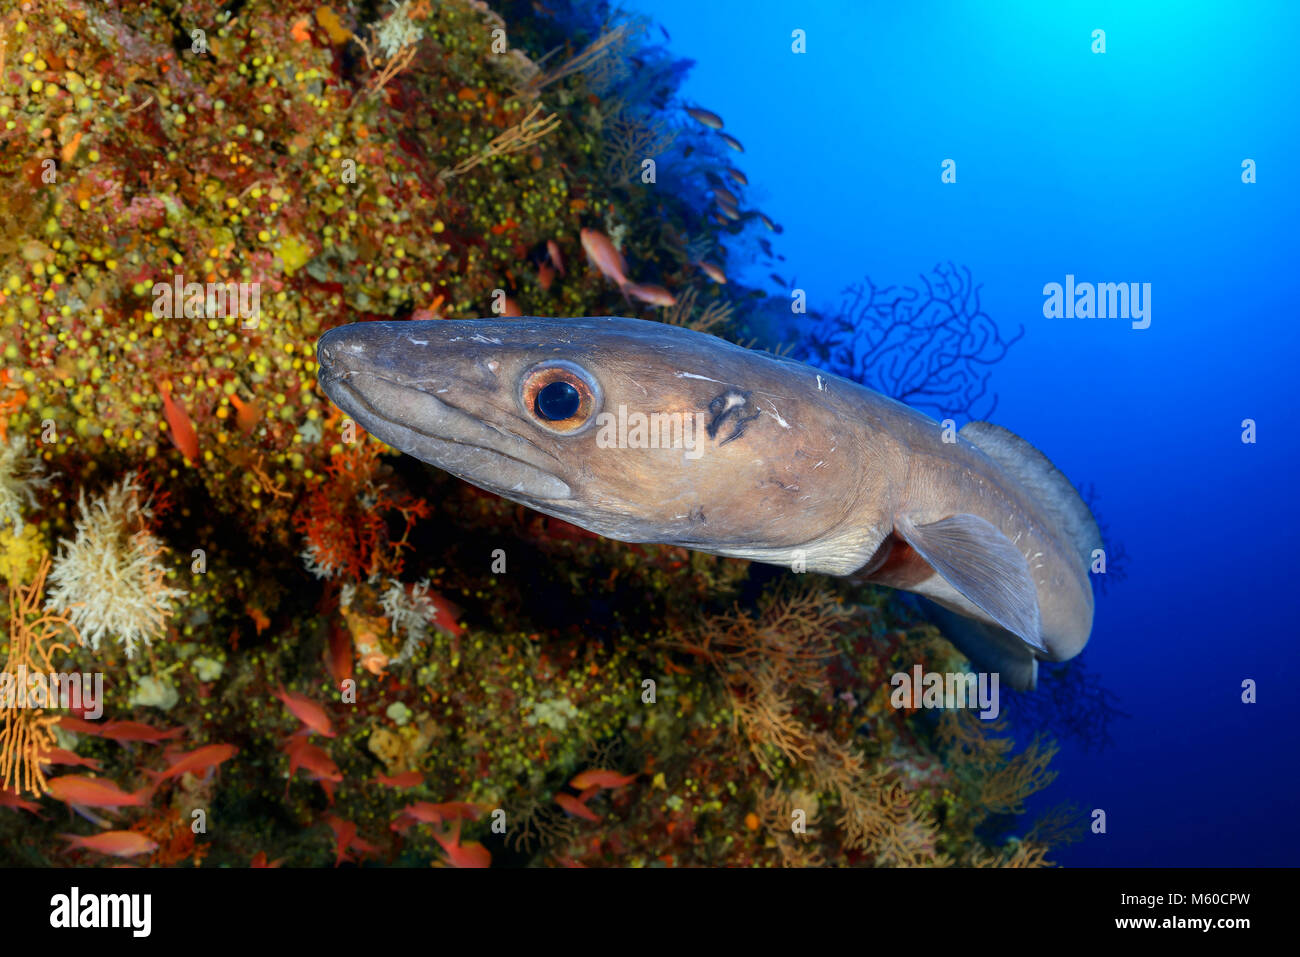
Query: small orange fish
[453, 810]
[114, 843]
[95, 792]
[425, 812]
[338, 655]
[545, 276]
[180, 428]
[137, 731]
[247, 414]
[407, 779]
[260, 621]
[82, 726]
[604, 256]
[576, 807]
[770, 225]
[346, 839]
[511, 308]
[472, 854]
[14, 800]
[707, 117]
[737, 177]
[421, 812]
[193, 762]
[259, 860]
[445, 615]
[311, 714]
[553, 253]
[732, 142]
[726, 195]
[304, 754]
[601, 779]
[316, 761]
[713, 272]
[655, 295]
[64, 756]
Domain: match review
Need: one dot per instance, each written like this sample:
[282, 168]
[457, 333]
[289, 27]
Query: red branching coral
[344, 517]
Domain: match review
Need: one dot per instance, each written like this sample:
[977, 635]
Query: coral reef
[339, 656]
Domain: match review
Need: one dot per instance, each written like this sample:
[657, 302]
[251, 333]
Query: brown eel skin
[646, 432]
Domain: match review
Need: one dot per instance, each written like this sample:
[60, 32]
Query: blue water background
[1122, 166]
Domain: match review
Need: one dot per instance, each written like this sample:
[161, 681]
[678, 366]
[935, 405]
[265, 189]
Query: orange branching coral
[786, 646]
[792, 635]
[767, 718]
[27, 732]
[971, 740]
[775, 810]
[343, 517]
[878, 815]
[766, 661]
[1004, 781]
[1005, 788]
[717, 315]
[1015, 854]
[606, 45]
[519, 137]
[628, 138]
[1061, 824]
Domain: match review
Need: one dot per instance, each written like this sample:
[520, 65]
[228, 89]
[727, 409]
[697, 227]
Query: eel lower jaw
[420, 424]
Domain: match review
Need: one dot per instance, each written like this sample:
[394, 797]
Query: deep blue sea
[1117, 166]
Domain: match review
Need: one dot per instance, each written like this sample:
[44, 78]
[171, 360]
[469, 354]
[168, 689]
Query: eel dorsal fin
[981, 563]
[1051, 489]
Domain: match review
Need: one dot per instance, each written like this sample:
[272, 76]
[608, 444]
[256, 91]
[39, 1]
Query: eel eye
[557, 401]
[560, 396]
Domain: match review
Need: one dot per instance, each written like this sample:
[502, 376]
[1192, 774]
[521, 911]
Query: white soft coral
[110, 577]
[410, 613]
[20, 476]
[397, 32]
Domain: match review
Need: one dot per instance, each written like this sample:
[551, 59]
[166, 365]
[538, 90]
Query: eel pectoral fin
[988, 647]
[983, 565]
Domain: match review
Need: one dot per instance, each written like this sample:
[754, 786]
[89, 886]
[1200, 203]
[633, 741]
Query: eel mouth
[420, 424]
